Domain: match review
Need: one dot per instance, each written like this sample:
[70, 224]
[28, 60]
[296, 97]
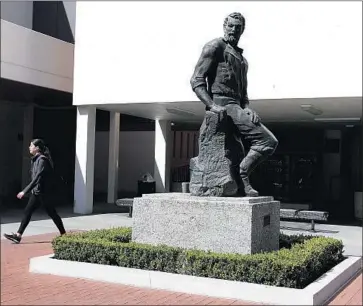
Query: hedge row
[300, 260]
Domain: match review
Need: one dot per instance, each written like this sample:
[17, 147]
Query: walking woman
[40, 189]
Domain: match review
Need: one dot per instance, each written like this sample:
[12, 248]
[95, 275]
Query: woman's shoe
[13, 237]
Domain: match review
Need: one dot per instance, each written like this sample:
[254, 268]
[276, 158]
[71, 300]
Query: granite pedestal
[219, 224]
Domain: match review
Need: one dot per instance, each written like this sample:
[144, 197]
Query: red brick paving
[351, 294]
[19, 287]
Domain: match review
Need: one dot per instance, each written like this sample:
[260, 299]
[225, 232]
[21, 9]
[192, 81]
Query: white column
[28, 123]
[113, 156]
[163, 152]
[85, 153]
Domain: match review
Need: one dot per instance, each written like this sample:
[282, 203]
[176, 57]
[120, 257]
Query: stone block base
[219, 224]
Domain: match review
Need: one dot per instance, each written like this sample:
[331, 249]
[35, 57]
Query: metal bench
[311, 215]
[127, 202]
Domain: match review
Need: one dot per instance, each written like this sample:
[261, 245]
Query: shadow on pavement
[14, 215]
[299, 229]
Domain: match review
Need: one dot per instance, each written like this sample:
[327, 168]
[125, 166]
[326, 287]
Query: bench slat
[125, 202]
[304, 214]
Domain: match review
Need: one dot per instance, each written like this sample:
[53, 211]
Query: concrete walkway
[71, 224]
[350, 235]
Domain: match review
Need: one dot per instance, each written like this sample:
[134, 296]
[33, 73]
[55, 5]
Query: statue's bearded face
[233, 30]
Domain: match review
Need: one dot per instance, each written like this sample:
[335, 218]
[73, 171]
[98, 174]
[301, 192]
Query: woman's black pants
[36, 201]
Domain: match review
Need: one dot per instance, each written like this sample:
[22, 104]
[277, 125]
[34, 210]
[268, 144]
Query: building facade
[37, 52]
[133, 110]
[304, 78]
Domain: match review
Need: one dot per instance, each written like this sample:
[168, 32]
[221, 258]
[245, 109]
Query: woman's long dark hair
[43, 149]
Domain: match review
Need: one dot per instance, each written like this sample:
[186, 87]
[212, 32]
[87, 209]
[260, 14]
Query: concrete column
[163, 154]
[27, 137]
[85, 153]
[113, 156]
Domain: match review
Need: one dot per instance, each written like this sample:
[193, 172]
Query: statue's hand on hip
[255, 118]
[217, 109]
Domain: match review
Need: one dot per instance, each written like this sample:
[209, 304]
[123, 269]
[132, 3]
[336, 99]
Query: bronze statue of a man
[220, 82]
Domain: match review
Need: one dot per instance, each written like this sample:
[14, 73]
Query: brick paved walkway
[351, 294]
[19, 287]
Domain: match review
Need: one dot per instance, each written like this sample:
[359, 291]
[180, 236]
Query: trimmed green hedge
[300, 260]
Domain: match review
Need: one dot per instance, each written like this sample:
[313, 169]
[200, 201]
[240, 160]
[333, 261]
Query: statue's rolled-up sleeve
[204, 65]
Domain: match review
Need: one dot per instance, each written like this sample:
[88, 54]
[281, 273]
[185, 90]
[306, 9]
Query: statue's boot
[248, 164]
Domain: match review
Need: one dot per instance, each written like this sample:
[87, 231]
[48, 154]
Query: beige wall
[136, 157]
[34, 58]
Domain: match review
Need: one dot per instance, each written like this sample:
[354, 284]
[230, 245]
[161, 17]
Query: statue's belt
[225, 100]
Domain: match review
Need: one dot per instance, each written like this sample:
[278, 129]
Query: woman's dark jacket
[41, 176]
